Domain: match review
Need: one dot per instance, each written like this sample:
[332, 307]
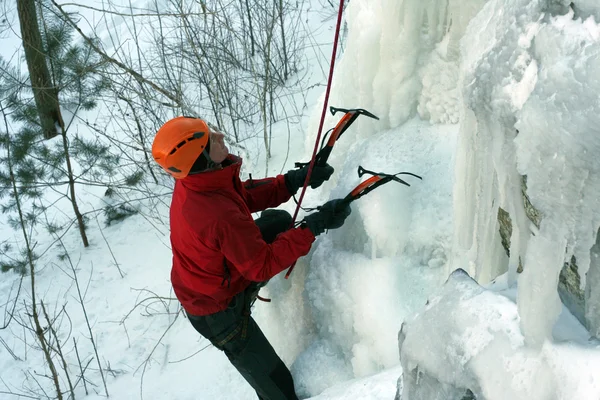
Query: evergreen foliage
[38, 166]
[116, 214]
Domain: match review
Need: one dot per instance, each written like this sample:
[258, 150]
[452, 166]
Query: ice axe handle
[344, 203]
[323, 156]
[347, 200]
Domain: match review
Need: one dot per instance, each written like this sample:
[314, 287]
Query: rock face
[592, 291]
[534, 215]
[569, 289]
[505, 222]
[505, 226]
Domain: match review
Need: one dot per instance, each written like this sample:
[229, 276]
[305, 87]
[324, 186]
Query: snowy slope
[335, 322]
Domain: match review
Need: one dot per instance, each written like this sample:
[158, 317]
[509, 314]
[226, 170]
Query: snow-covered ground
[450, 97]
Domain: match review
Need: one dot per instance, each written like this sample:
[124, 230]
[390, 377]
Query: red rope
[318, 140]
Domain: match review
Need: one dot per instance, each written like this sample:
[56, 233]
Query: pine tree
[74, 159]
[44, 91]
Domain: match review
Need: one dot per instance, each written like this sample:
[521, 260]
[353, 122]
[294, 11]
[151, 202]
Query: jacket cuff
[306, 232]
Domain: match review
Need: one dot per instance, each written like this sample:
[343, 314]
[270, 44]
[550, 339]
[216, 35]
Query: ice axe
[377, 179]
[343, 124]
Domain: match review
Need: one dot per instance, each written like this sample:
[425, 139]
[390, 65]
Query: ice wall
[384, 66]
[530, 82]
[401, 59]
[511, 72]
[364, 279]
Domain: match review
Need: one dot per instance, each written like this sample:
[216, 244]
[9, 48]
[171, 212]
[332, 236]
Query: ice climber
[221, 256]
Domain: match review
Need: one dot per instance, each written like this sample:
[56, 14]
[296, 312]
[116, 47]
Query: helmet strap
[210, 164]
[203, 163]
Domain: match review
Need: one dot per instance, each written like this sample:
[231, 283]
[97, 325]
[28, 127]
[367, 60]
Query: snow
[471, 95]
[481, 347]
[377, 387]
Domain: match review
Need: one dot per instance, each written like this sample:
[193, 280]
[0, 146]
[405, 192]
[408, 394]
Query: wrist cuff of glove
[314, 226]
[290, 186]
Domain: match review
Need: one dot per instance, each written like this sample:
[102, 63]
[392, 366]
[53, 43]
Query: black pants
[236, 333]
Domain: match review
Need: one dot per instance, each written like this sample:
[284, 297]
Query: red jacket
[211, 226]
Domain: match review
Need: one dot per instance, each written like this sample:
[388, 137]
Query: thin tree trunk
[251, 31]
[44, 93]
[265, 117]
[285, 55]
[87, 320]
[72, 198]
[39, 332]
[59, 351]
[243, 30]
[80, 367]
[141, 137]
[264, 94]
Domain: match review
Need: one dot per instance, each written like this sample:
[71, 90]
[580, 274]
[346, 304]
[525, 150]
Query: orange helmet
[178, 143]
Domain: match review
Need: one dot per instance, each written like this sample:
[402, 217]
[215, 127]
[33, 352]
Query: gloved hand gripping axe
[377, 179]
[343, 124]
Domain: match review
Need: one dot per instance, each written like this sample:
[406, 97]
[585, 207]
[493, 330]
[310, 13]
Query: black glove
[294, 179]
[330, 216]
